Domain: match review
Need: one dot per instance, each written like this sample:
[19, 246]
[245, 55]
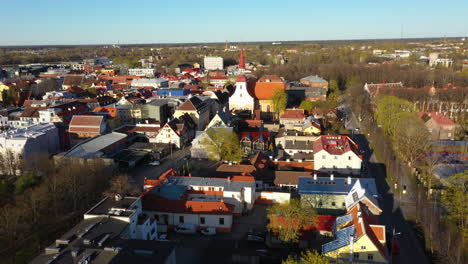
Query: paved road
[174, 161]
[392, 217]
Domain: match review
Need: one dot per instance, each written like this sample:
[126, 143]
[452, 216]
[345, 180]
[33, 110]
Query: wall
[324, 161]
[266, 197]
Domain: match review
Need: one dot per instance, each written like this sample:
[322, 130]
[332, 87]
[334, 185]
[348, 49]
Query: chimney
[332, 177]
[349, 180]
[315, 176]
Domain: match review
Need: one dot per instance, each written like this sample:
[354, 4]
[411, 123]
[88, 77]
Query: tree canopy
[287, 220]
[222, 144]
[390, 111]
[307, 257]
[279, 99]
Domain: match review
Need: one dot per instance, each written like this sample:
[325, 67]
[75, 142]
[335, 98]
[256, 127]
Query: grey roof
[114, 249]
[91, 148]
[299, 144]
[76, 239]
[105, 205]
[216, 182]
[339, 186]
[313, 78]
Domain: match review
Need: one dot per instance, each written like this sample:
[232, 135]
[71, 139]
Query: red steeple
[241, 59]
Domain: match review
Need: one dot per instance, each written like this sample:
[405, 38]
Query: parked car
[155, 163]
[186, 229]
[256, 236]
[209, 231]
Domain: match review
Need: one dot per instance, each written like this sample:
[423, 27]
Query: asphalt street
[174, 161]
[392, 217]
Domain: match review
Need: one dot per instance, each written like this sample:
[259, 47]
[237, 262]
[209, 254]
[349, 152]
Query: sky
[59, 22]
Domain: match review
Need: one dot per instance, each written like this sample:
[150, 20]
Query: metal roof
[337, 186]
[342, 239]
[92, 148]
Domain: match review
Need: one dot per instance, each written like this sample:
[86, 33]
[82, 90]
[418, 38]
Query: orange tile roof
[111, 110]
[266, 85]
[243, 178]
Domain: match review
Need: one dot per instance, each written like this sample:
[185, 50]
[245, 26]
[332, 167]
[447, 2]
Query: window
[343, 204]
[220, 189]
[349, 158]
[363, 247]
[356, 255]
[323, 157]
[156, 217]
[202, 220]
[333, 203]
[336, 157]
[370, 256]
[221, 221]
[181, 219]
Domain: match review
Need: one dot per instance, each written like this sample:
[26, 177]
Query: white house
[153, 82]
[202, 202]
[213, 63]
[241, 99]
[179, 131]
[337, 154]
[128, 210]
[30, 141]
[141, 72]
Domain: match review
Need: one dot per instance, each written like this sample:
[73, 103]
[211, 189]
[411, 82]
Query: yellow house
[3, 87]
[197, 110]
[311, 127]
[357, 236]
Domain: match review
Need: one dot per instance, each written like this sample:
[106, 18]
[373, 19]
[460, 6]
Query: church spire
[241, 60]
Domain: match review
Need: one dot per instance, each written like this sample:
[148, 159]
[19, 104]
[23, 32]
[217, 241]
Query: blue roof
[337, 186]
[173, 92]
[341, 239]
[170, 191]
[343, 219]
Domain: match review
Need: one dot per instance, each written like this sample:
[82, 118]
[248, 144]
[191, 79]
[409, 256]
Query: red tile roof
[441, 119]
[85, 124]
[293, 114]
[255, 135]
[154, 202]
[335, 145]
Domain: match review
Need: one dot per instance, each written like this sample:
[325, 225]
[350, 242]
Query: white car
[209, 231]
[155, 163]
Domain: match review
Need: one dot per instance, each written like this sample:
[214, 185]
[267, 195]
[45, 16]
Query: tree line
[39, 202]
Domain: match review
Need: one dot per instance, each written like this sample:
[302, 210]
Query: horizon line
[217, 42]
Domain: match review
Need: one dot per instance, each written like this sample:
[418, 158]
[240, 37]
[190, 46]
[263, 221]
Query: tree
[279, 99]
[390, 110]
[222, 144]
[28, 180]
[307, 105]
[121, 185]
[308, 257]
[411, 138]
[287, 220]
[455, 199]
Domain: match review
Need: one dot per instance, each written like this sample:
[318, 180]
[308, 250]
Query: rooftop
[92, 147]
[337, 186]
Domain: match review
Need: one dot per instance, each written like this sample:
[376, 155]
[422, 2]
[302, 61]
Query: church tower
[241, 60]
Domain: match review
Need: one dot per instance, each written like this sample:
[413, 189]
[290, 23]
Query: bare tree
[121, 185]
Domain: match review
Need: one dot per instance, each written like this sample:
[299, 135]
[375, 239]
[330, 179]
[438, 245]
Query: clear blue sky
[34, 22]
